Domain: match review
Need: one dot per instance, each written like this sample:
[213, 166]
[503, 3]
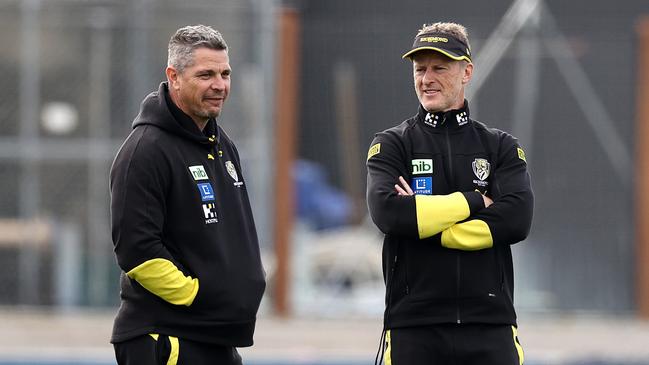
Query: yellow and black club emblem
[481, 168]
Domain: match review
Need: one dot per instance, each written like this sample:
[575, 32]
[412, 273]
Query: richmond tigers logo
[481, 168]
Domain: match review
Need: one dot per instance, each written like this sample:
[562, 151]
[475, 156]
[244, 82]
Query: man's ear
[468, 73]
[172, 77]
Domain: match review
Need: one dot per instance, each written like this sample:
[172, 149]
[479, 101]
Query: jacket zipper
[449, 163]
[451, 179]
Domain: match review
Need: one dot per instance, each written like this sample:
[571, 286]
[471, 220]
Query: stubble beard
[207, 114]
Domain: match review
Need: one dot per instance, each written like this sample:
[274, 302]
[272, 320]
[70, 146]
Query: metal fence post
[66, 244]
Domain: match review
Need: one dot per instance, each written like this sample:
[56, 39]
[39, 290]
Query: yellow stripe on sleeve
[435, 213]
[468, 236]
[521, 154]
[375, 149]
[162, 278]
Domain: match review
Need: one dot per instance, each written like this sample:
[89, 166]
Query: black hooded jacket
[447, 258]
[183, 231]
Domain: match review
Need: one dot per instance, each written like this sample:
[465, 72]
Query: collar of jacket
[210, 131]
[159, 110]
[454, 119]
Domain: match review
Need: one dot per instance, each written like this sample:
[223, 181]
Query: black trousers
[453, 344]
[168, 350]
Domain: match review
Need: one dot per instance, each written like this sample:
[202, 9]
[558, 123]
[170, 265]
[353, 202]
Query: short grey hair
[454, 29]
[187, 39]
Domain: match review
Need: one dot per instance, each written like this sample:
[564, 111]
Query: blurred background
[312, 82]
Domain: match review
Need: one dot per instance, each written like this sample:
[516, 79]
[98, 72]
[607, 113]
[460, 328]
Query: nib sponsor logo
[422, 166]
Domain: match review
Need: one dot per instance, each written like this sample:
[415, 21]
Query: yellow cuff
[468, 236]
[435, 213]
[162, 278]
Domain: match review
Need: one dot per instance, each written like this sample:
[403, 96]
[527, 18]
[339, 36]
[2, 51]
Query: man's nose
[218, 83]
[428, 75]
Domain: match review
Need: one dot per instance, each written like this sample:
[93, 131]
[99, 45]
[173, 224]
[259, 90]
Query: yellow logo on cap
[433, 39]
[375, 149]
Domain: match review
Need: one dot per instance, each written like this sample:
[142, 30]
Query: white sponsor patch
[198, 172]
[209, 210]
[422, 166]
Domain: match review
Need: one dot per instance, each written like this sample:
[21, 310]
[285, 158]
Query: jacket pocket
[430, 271]
[481, 274]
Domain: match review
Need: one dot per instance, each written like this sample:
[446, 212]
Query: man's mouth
[214, 99]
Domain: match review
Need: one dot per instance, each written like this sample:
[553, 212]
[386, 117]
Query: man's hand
[405, 190]
[487, 200]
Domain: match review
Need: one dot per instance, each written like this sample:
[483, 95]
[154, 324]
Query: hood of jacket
[159, 110]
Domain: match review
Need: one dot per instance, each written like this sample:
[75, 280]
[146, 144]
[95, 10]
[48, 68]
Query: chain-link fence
[74, 73]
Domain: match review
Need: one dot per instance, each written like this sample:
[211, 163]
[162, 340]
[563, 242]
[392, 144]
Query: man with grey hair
[182, 225]
[451, 195]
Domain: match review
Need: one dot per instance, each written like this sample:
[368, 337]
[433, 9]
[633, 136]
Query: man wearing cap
[451, 195]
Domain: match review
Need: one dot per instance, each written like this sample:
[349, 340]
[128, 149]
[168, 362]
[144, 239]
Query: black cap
[443, 43]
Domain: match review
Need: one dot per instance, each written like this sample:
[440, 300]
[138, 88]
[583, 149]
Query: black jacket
[183, 231]
[447, 258]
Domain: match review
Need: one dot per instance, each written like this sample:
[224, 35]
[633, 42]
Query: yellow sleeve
[436, 213]
[162, 278]
[468, 236]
